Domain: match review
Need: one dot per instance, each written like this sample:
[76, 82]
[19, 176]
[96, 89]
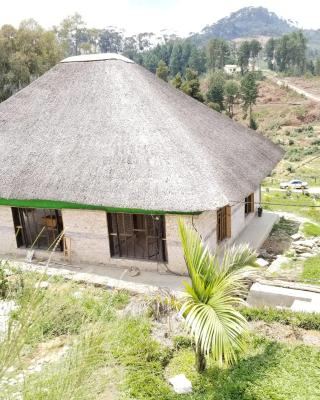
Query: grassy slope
[293, 122]
[107, 351]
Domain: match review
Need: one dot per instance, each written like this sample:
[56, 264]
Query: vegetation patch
[268, 370]
[308, 321]
[310, 229]
[311, 270]
[296, 203]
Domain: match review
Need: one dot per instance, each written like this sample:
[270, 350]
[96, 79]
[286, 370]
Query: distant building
[231, 69]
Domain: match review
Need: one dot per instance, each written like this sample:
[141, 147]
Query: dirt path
[297, 89]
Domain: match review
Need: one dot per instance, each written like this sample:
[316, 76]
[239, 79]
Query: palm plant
[216, 286]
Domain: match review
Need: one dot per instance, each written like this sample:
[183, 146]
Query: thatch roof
[108, 132]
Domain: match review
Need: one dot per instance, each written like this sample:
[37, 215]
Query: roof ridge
[96, 57]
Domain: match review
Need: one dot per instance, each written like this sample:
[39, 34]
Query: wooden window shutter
[252, 202]
[228, 221]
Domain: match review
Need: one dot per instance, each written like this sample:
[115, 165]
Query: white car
[294, 184]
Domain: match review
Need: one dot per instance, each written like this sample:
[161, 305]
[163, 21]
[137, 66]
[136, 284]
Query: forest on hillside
[28, 51]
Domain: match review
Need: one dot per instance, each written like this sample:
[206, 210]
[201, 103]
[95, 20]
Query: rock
[296, 236]
[77, 295]
[305, 243]
[136, 308]
[5, 309]
[306, 255]
[181, 384]
[262, 263]
[42, 285]
[276, 264]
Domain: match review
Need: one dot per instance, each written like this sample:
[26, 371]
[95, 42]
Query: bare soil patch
[285, 333]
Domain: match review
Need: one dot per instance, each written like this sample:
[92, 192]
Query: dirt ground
[311, 85]
[285, 333]
[279, 240]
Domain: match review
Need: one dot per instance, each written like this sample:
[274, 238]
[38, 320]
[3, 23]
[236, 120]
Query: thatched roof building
[103, 131]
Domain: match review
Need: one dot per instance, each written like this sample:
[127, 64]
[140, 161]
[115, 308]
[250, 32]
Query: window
[249, 204]
[223, 223]
[137, 236]
[37, 228]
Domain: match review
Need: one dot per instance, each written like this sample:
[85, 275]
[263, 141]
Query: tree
[217, 52]
[162, 70]
[25, 54]
[270, 52]
[216, 326]
[243, 56]
[317, 67]
[110, 41]
[197, 60]
[215, 92]
[175, 64]
[249, 92]
[231, 92]
[290, 53]
[255, 48]
[191, 85]
[177, 81]
[72, 33]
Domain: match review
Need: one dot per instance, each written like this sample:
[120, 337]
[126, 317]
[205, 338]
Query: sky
[181, 16]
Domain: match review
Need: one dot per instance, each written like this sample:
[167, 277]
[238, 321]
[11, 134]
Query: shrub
[253, 124]
[182, 342]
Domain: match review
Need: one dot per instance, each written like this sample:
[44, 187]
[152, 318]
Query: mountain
[246, 22]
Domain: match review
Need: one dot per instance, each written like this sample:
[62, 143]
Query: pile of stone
[305, 248]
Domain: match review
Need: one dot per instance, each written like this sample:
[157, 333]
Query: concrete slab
[274, 296]
[110, 276]
[258, 230]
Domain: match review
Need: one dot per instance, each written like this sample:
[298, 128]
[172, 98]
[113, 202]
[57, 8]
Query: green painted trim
[55, 204]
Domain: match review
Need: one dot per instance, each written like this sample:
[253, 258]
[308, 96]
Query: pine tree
[231, 91]
[191, 85]
[176, 59]
[215, 93]
[249, 92]
[162, 71]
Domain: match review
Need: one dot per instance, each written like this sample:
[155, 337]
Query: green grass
[311, 270]
[66, 307]
[310, 229]
[268, 370]
[296, 203]
[308, 321]
[285, 226]
[106, 349]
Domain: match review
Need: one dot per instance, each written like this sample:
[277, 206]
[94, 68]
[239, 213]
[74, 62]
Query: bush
[253, 124]
[182, 342]
[309, 321]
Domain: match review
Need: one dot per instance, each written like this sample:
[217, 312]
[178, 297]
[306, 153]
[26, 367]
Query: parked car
[294, 184]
